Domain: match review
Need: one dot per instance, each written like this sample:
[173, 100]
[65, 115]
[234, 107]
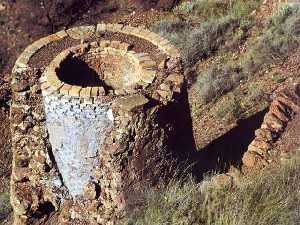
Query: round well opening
[111, 71]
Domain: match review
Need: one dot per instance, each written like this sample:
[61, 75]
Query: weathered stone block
[85, 92]
[131, 103]
[101, 27]
[65, 89]
[82, 32]
[94, 91]
[75, 91]
[61, 34]
[148, 76]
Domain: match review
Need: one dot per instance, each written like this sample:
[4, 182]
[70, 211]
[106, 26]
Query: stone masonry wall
[83, 155]
[284, 107]
[76, 133]
[34, 176]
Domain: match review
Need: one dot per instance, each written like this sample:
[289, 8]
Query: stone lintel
[82, 32]
[148, 76]
[131, 103]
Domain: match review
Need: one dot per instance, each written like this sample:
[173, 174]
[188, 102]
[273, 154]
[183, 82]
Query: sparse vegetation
[277, 41]
[278, 78]
[255, 92]
[215, 82]
[230, 109]
[212, 9]
[217, 22]
[201, 29]
[275, 44]
[267, 197]
[196, 42]
[5, 208]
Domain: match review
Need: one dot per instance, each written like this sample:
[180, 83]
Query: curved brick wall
[135, 69]
[91, 122]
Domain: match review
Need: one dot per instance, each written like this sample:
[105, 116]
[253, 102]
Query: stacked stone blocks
[133, 147]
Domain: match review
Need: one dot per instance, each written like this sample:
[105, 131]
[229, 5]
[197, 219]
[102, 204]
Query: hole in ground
[75, 71]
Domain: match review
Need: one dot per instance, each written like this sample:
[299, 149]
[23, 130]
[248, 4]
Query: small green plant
[215, 82]
[242, 9]
[230, 109]
[283, 10]
[184, 7]
[246, 23]
[278, 78]
[255, 92]
[5, 208]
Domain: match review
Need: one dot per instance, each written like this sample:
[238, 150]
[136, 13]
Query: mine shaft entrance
[75, 71]
[110, 71]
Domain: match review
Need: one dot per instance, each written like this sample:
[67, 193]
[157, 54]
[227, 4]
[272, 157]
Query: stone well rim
[145, 67]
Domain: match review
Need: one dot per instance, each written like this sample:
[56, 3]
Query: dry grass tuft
[278, 40]
[268, 197]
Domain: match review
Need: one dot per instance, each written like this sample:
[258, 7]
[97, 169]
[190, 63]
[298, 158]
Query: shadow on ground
[228, 149]
[223, 152]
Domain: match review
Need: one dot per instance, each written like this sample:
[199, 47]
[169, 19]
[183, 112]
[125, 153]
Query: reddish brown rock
[274, 122]
[264, 134]
[21, 174]
[285, 105]
[279, 113]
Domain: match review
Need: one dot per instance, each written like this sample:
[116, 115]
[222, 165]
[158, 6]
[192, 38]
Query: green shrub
[212, 9]
[277, 42]
[278, 78]
[204, 40]
[208, 9]
[242, 8]
[175, 30]
[230, 109]
[196, 42]
[5, 208]
[215, 82]
[267, 197]
[184, 7]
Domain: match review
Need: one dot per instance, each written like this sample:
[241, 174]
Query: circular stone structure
[93, 118]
